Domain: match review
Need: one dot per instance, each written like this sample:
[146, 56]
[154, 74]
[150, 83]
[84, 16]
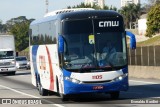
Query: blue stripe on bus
[34, 59]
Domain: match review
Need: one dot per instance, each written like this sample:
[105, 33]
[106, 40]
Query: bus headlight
[73, 80]
[121, 77]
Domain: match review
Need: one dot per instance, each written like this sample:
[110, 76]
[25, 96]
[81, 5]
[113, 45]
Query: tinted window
[77, 26]
[21, 59]
[6, 54]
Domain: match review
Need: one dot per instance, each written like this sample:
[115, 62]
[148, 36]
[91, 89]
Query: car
[22, 62]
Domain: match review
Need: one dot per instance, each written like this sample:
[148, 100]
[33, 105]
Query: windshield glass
[6, 55]
[21, 59]
[84, 50]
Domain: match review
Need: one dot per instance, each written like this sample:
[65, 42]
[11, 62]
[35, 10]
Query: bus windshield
[108, 49]
[6, 55]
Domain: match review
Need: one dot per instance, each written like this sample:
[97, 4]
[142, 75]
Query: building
[96, 2]
[126, 2]
[142, 25]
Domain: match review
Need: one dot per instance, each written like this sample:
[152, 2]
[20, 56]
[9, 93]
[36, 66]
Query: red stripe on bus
[51, 70]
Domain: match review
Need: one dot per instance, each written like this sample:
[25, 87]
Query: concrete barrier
[144, 72]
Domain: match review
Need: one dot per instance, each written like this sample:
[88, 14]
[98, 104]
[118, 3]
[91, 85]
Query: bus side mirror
[132, 39]
[60, 44]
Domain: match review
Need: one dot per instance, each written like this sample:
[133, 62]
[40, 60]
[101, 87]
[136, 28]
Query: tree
[1, 26]
[153, 19]
[130, 13]
[96, 7]
[147, 6]
[19, 27]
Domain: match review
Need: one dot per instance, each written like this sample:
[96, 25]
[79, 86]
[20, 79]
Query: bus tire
[42, 91]
[114, 95]
[62, 96]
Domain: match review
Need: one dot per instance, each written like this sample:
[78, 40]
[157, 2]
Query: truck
[7, 55]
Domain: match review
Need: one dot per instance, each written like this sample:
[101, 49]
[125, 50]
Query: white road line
[58, 105]
[144, 82]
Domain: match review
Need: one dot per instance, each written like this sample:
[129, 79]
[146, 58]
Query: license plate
[98, 87]
[4, 69]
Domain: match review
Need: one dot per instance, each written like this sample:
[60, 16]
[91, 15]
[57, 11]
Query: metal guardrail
[144, 56]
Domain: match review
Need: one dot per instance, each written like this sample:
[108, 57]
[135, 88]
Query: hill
[151, 41]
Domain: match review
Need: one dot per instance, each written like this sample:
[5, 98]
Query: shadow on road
[137, 92]
[144, 91]
[23, 73]
[17, 73]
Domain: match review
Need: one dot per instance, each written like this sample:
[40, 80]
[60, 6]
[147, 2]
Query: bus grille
[96, 82]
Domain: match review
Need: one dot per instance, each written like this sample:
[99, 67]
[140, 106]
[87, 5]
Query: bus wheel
[42, 91]
[63, 97]
[114, 95]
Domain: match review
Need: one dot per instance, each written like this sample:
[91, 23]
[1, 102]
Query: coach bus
[79, 51]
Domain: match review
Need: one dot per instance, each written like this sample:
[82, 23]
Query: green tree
[19, 27]
[96, 7]
[130, 13]
[153, 19]
[1, 26]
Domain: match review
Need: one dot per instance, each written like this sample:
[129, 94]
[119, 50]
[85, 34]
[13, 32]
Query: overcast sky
[36, 8]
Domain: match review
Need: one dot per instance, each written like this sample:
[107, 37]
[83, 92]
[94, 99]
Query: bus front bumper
[74, 88]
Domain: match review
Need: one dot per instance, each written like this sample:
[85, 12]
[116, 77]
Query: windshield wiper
[88, 66]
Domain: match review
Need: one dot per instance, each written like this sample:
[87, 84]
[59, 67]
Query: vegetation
[151, 41]
[83, 5]
[131, 14]
[153, 19]
[19, 27]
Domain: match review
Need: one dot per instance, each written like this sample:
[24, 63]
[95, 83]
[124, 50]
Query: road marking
[144, 82]
[58, 105]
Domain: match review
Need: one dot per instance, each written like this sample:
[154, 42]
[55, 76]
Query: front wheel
[62, 96]
[115, 95]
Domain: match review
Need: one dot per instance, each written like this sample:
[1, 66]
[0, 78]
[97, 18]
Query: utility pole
[47, 3]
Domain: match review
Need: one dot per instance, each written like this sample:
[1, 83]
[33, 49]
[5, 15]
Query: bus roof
[80, 15]
[56, 12]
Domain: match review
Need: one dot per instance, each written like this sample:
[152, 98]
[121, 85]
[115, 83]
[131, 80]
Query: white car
[22, 62]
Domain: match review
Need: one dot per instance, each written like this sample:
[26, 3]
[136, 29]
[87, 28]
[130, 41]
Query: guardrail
[144, 56]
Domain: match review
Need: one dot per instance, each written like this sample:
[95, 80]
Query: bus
[76, 51]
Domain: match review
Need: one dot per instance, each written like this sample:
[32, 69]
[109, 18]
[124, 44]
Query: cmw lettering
[108, 23]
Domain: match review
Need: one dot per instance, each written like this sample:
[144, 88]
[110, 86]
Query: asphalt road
[141, 92]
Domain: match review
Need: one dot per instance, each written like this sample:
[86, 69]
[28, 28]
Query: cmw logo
[108, 23]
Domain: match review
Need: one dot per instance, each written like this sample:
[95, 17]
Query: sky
[36, 8]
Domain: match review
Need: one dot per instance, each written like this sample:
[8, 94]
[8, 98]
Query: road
[19, 86]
